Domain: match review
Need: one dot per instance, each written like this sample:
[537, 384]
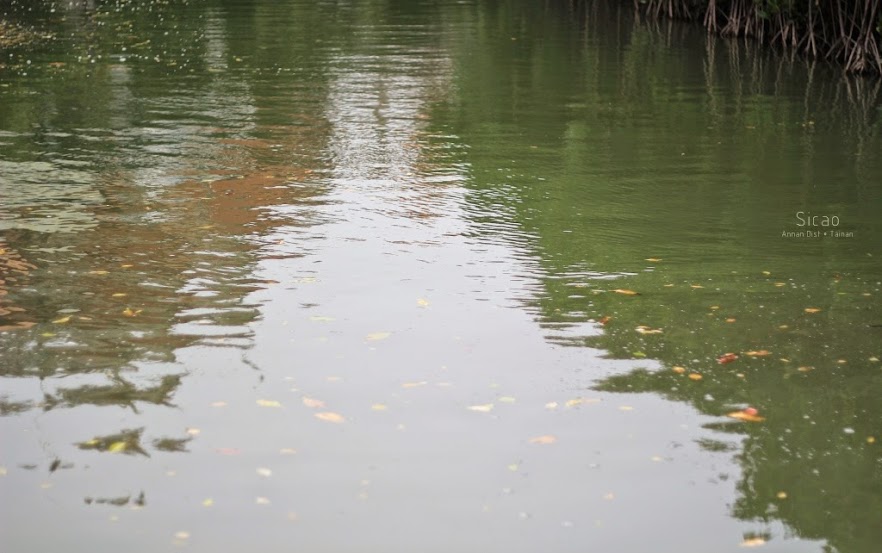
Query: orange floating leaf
[328, 416]
[313, 403]
[745, 416]
[758, 353]
[679, 370]
[726, 358]
[695, 376]
[543, 440]
[625, 292]
[812, 310]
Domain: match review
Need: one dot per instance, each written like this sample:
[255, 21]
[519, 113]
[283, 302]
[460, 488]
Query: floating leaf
[98, 272]
[506, 399]
[376, 336]
[116, 447]
[62, 320]
[268, 403]
[647, 330]
[182, 535]
[129, 312]
[759, 353]
[543, 440]
[119, 295]
[731, 320]
[423, 303]
[604, 320]
[264, 472]
[208, 502]
[695, 376]
[696, 286]
[551, 405]
[193, 431]
[329, 416]
[320, 319]
[812, 310]
[726, 358]
[262, 500]
[781, 495]
[745, 416]
[679, 370]
[513, 467]
[485, 408]
[625, 408]
[379, 407]
[313, 403]
[753, 542]
[653, 259]
[414, 384]
[219, 404]
[625, 292]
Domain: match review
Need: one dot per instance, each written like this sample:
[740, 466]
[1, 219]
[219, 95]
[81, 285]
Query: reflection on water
[287, 262]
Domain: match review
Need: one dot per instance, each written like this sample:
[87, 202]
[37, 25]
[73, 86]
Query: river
[447, 276]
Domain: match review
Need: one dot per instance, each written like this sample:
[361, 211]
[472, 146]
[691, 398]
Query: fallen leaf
[119, 295]
[609, 496]
[759, 353]
[780, 284]
[625, 408]
[182, 535]
[287, 451]
[219, 404]
[98, 272]
[647, 330]
[513, 467]
[379, 407]
[207, 502]
[129, 312]
[745, 416]
[193, 431]
[625, 292]
[329, 416]
[812, 310]
[264, 472]
[871, 439]
[753, 542]
[313, 403]
[766, 273]
[653, 259]
[679, 370]
[485, 408]
[695, 376]
[731, 320]
[604, 320]
[726, 358]
[414, 384]
[375, 336]
[781, 495]
[268, 403]
[543, 440]
[696, 286]
[551, 405]
[423, 303]
[116, 447]
[507, 399]
[805, 369]
[321, 319]
[262, 500]
[62, 320]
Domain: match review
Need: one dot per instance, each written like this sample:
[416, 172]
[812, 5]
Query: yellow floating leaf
[98, 272]
[287, 451]
[193, 431]
[414, 384]
[647, 330]
[625, 408]
[780, 284]
[753, 542]
[129, 312]
[781, 495]
[423, 303]
[485, 408]
[758, 353]
[730, 320]
[696, 286]
[62, 320]
[507, 399]
[625, 292]
[679, 370]
[313, 403]
[268, 403]
[3, 471]
[513, 467]
[376, 336]
[264, 472]
[119, 295]
[329, 416]
[874, 359]
[871, 439]
[695, 376]
[812, 310]
[766, 273]
[208, 502]
[126, 266]
[543, 440]
[714, 307]
[746, 417]
[805, 369]
[117, 447]
[379, 407]
[653, 259]
[182, 535]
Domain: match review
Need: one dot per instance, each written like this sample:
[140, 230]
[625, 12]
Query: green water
[330, 276]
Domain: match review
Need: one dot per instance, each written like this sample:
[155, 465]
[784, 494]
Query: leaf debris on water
[329, 416]
[485, 408]
[268, 403]
[543, 440]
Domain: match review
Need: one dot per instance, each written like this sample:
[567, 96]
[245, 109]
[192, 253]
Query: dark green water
[329, 276]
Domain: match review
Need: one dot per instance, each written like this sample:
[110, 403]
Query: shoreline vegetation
[848, 32]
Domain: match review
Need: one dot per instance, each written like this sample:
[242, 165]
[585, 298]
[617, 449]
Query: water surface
[342, 276]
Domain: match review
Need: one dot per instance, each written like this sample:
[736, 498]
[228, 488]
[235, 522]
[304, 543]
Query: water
[331, 276]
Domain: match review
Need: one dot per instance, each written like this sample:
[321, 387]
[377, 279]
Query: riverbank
[840, 31]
